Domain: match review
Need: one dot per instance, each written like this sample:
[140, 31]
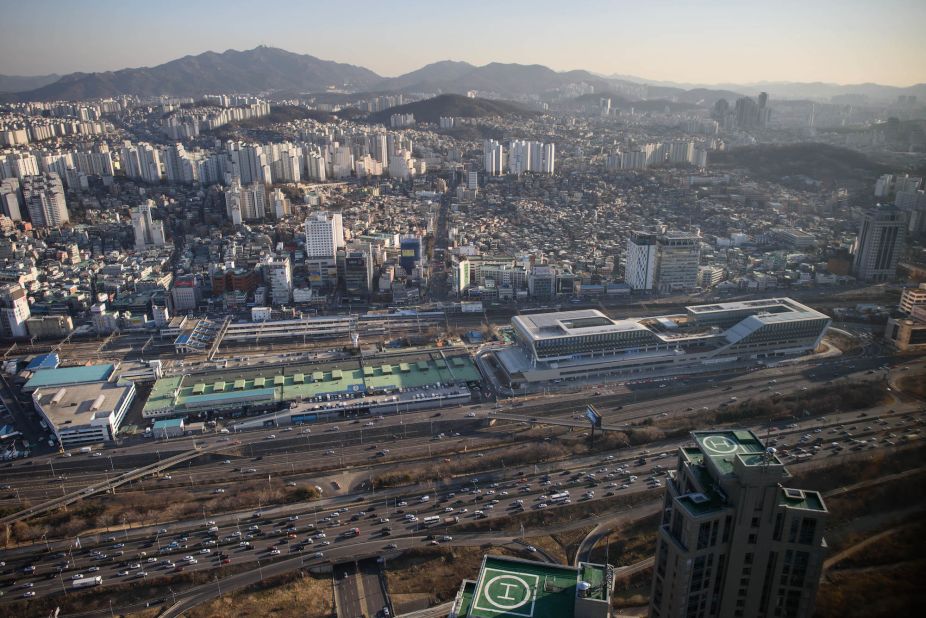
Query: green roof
[239, 384]
[278, 380]
[199, 388]
[218, 386]
[722, 447]
[259, 382]
[521, 588]
[367, 371]
[801, 499]
[403, 367]
[318, 376]
[336, 374]
[299, 378]
[49, 378]
[423, 365]
[386, 368]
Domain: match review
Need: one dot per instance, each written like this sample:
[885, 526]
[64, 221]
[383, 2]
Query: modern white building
[44, 198]
[324, 235]
[577, 345]
[148, 232]
[82, 414]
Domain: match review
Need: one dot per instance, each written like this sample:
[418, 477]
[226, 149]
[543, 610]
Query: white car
[205, 551]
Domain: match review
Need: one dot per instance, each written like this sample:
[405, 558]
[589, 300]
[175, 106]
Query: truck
[87, 582]
[424, 498]
[432, 520]
[352, 533]
[449, 521]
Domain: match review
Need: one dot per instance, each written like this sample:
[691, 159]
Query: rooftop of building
[513, 587]
[299, 382]
[79, 404]
[571, 323]
[48, 378]
[722, 447]
[801, 499]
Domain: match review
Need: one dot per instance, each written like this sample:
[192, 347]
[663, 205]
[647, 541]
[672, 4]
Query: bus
[559, 498]
[431, 521]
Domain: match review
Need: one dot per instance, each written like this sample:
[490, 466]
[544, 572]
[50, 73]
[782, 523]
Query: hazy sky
[706, 41]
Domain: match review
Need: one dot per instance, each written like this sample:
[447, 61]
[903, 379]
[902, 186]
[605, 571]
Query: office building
[324, 235]
[541, 282]
[733, 540]
[14, 311]
[879, 244]
[910, 297]
[148, 232]
[81, 405]
[44, 198]
[410, 251]
[358, 270]
[278, 272]
[507, 586]
[640, 265]
[678, 256]
[578, 345]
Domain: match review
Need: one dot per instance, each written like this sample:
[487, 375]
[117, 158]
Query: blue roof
[168, 422]
[44, 361]
[69, 375]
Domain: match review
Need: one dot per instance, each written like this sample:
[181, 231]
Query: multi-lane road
[291, 535]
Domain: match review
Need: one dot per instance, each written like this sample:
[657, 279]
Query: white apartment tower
[245, 203]
[493, 157]
[148, 232]
[44, 198]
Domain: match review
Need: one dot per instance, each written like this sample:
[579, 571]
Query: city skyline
[827, 41]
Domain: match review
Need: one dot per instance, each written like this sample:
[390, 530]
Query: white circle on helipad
[721, 445]
[507, 592]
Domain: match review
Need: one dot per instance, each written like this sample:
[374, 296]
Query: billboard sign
[593, 416]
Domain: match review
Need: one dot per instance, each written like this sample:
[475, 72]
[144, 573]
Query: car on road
[318, 554]
[392, 546]
[28, 594]
[531, 549]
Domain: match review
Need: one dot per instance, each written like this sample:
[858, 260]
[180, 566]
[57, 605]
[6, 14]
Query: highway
[342, 450]
[314, 533]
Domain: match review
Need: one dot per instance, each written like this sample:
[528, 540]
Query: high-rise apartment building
[245, 202]
[879, 244]
[733, 541]
[640, 266]
[44, 198]
[148, 232]
[279, 204]
[493, 155]
[11, 199]
[678, 256]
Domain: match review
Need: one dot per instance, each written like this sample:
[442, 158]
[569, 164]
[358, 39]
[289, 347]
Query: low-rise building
[82, 414]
